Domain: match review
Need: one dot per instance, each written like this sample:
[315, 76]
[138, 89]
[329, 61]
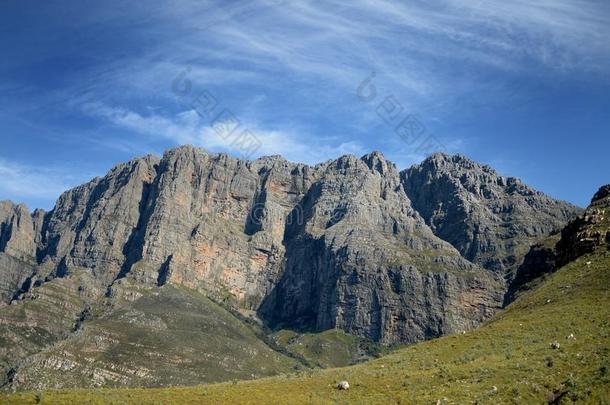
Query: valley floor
[551, 346]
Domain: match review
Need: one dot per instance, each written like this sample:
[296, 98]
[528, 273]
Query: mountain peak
[377, 161]
[339, 245]
[602, 193]
[464, 201]
[455, 162]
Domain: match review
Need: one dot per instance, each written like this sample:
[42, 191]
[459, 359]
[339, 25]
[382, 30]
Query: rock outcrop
[360, 258]
[587, 232]
[581, 236]
[18, 242]
[491, 219]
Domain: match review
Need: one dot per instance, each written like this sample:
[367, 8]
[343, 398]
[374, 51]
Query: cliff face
[491, 219]
[585, 234]
[216, 224]
[92, 225]
[359, 258]
[350, 244]
[18, 233]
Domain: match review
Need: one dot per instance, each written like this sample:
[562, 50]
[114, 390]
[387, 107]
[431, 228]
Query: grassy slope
[44, 317]
[511, 353]
[174, 336]
[168, 337]
[331, 348]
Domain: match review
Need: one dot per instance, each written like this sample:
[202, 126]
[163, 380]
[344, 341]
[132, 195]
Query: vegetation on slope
[45, 316]
[551, 346]
[331, 348]
[170, 336]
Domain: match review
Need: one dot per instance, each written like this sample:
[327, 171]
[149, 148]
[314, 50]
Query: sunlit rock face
[352, 243]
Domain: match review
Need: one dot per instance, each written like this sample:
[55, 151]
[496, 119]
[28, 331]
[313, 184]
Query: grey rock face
[589, 231]
[91, 225]
[14, 274]
[338, 245]
[584, 234]
[491, 219]
[17, 237]
[216, 223]
[350, 244]
[17, 247]
[359, 258]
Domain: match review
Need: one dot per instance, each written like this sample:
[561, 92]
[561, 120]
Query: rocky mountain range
[491, 219]
[585, 234]
[199, 242]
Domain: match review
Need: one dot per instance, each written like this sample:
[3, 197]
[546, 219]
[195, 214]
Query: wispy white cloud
[43, 183]
[289, 69]
[324, 49]
[335, 40]
[189, 128]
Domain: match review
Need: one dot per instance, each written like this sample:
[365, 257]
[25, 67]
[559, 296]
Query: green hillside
[170, 336]
[511, 359]
[331, 348]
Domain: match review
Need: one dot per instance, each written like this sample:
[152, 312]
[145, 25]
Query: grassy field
[509, 360]
[331, 348]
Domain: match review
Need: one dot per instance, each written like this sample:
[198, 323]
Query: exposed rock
[17, 231]
[581, 236]
[343, 385]
[491, 219]
[17, 248]
[248, 231]
[14, 276]
[540, 260]
[362, 260]
[93, 226]
[602, 196]
[216, 223]
[587, 232]
[336, 245]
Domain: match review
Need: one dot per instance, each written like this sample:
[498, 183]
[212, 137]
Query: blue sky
[523, 85]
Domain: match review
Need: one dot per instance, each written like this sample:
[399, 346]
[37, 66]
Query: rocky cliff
[587, 232]
[583, 235]
[361, 259]
[351, 244]
[344, 232]
[492, 220]
[19, 233]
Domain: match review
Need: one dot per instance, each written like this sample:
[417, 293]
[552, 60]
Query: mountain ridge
[549, 346]
[311, 248]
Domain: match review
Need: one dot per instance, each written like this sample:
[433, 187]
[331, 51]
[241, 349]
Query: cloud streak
[325, 49]
[101, 73]
[42, 183]
[188, 127]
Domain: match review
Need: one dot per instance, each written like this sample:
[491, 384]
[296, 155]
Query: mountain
[18, 240]
[549, 346]
[360, 258]
[490, 219]
[351, 244]
[583, 235]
